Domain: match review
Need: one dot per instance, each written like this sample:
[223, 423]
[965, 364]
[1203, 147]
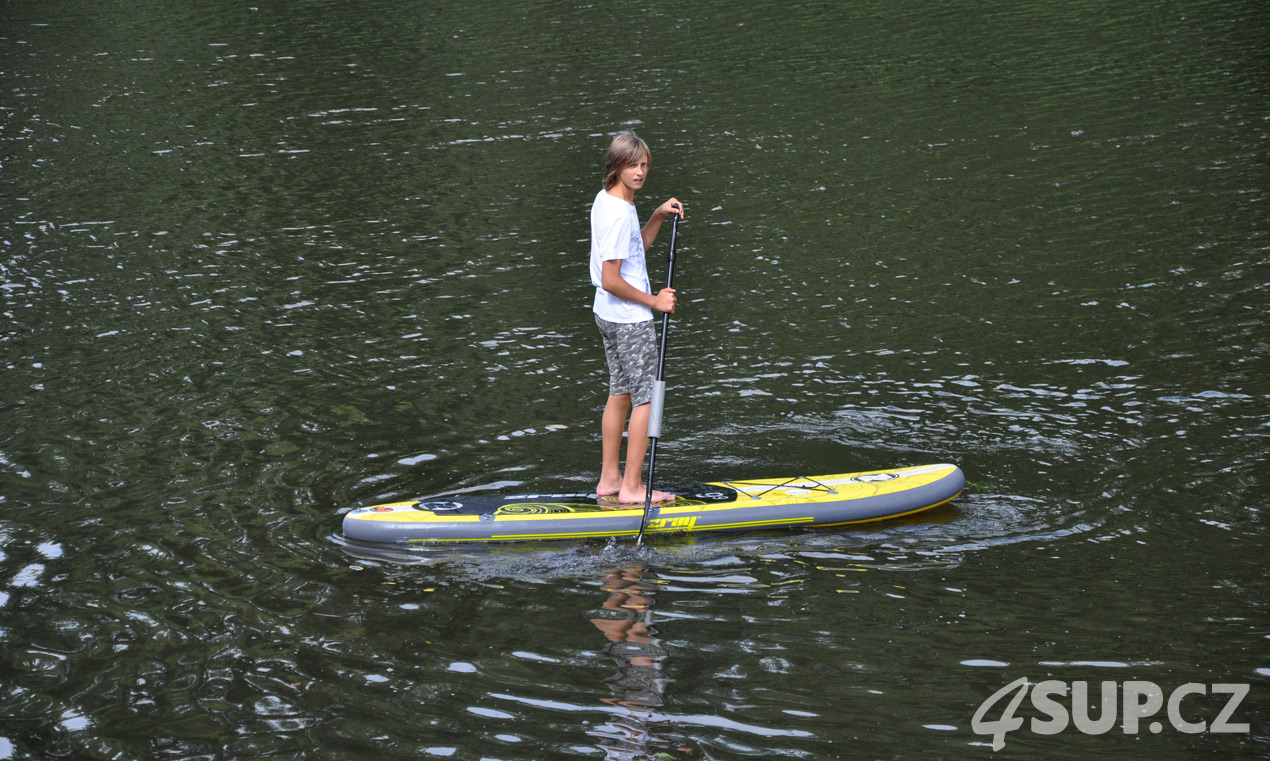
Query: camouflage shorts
[631, 349]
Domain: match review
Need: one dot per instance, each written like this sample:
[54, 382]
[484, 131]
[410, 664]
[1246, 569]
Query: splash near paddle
[723, 506]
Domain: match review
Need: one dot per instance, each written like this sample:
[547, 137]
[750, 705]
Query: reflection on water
[640, 683]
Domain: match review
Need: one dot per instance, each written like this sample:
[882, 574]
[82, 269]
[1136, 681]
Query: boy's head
[625, 150]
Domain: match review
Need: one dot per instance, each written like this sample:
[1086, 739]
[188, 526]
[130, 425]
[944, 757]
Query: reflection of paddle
[659, 388]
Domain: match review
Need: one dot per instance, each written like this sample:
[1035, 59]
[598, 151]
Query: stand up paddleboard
[723, 506]
[775, 503]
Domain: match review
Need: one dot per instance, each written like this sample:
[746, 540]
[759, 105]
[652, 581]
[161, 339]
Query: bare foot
[639, 495]
[608, 488]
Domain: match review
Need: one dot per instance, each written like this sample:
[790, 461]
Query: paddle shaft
[659, 388]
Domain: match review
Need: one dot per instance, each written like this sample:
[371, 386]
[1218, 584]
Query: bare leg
[611, 427]
[633, 488]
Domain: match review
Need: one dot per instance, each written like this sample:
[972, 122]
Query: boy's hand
[664, 301]
[671, 206]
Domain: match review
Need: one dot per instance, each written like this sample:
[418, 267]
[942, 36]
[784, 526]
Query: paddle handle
[657, 405]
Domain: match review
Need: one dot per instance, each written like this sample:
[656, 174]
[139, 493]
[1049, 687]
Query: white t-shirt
[615, 234]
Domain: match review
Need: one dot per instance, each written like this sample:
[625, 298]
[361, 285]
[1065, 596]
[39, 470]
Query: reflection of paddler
[638, 684]
[634, 644]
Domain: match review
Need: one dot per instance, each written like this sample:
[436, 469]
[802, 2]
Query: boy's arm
[611, 281]
[649, 233]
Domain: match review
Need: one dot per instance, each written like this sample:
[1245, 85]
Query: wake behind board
[724, 506]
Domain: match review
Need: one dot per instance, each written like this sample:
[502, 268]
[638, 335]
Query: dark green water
[261, 264]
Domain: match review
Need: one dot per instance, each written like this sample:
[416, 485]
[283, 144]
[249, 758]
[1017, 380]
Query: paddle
[659, 387]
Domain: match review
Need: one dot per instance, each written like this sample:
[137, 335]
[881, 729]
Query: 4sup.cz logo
[1131, 703]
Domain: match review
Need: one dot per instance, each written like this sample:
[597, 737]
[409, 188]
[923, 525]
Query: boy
[623, 307]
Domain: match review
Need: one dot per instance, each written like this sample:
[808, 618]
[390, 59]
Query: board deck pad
[816, 501]
[581, 502]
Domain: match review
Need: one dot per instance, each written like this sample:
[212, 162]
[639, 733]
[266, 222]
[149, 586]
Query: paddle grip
[655, 409]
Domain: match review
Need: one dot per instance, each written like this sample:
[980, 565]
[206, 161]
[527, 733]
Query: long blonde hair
[626, 149]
